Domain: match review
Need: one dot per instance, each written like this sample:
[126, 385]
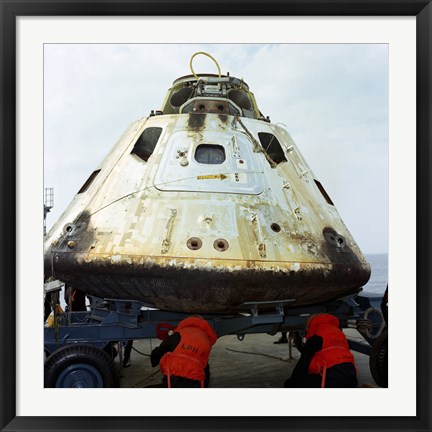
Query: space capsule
[205, 207]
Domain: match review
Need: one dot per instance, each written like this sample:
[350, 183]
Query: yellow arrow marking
[212, 176]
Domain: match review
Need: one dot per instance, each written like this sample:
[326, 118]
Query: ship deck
[255, 362]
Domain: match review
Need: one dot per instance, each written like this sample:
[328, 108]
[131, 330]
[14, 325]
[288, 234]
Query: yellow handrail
[208, 55]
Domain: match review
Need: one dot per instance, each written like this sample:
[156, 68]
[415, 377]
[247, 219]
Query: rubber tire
[378, 360]
[69, 355]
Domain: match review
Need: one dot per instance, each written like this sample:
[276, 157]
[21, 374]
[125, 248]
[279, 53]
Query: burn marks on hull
[337, 249]
[192, 290]
[196, 121]
[223, 118]
[77, 237]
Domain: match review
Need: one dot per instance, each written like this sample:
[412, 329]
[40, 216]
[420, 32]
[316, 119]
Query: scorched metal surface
[203, 206]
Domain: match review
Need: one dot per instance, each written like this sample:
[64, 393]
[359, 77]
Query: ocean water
[379, 274]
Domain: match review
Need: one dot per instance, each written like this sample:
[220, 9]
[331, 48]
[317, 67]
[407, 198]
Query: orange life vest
[335, 349]
[190, 357]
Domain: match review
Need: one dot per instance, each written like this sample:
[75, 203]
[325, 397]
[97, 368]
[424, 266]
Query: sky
[331, 98]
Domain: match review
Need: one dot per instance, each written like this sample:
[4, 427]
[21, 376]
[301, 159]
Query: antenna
[48, 204]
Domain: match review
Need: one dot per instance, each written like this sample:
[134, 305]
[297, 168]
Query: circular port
[333, 238]
[67, 228]
[340, 240]
[275, 227]
[221, 245]
[71, 229]
[194, 243]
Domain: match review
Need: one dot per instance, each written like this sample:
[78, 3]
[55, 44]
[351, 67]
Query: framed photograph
[58, 53]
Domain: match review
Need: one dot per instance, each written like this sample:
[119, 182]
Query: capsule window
[272, 147]
[210, 154]
[89, 181]
[323, 192]
[146, 143]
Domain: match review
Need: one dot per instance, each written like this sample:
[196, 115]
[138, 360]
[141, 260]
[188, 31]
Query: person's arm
[312, 345]
[168, 345]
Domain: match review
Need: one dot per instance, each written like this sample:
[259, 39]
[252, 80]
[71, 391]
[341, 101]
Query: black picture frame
[11, 9]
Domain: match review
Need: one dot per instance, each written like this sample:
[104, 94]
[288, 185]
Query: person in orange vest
[326, 360]
[75, 299]
[183, 355]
